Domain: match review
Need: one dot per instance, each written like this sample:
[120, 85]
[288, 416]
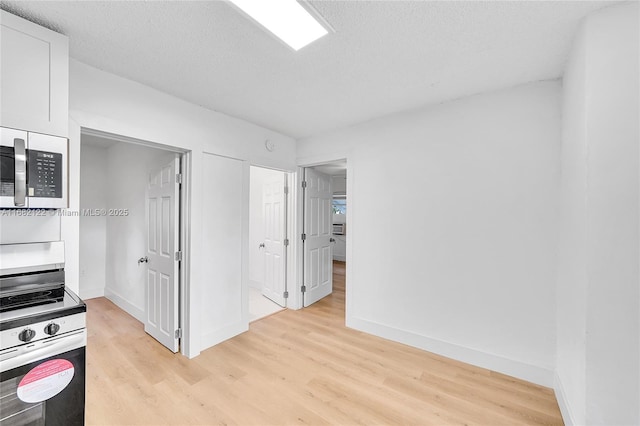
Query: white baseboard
[91, 293]
[531, 373]
[125, 305]
[220, 335]
[339, 258]
[563, 402]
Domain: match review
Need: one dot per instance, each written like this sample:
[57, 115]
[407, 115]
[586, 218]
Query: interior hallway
[294, 367]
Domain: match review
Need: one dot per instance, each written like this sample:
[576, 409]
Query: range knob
[51, 328]
[26, 334]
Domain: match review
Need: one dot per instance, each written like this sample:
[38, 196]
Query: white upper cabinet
[34, 77]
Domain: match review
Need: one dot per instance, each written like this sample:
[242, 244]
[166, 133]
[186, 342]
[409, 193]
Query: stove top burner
[35, 298]
[23, 290]
[69, 305]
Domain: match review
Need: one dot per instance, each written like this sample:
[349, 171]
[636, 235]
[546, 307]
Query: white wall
[128, 168]
[258, 176]
[572, 253]
[93, 229]
[598, 373]
[225, 241]
[107, 103]
[339, 184]
[471, 272]
[115, 178]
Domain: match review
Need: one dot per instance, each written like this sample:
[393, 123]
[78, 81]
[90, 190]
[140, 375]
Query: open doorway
[268, 241]
[324, 224]
[130, 240]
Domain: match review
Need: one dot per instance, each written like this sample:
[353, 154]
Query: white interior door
[318, 279]
[161, 292]
[273, 214]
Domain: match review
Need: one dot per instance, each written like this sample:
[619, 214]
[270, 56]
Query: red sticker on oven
[45, 381]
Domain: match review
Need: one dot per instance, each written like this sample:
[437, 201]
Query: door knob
[143, 260]
[261, 245]
[332, 240]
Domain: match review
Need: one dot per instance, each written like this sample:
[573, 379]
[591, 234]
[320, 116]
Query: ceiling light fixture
[286, 19]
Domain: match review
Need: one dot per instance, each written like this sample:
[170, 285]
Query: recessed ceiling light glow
[286, 19]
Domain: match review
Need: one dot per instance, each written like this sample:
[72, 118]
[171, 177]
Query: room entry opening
[269, 242]
[136, 256]
[324, 228]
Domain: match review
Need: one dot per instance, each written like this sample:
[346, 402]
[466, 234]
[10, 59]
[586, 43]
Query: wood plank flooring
[294, 367]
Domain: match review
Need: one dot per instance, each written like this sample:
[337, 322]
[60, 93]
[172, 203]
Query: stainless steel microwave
[33, 170]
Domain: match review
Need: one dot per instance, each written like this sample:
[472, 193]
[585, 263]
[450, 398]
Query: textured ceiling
[384, 57]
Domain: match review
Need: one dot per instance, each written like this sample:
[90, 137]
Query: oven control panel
[42, 330]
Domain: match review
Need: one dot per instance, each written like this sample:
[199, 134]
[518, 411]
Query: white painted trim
[222, 334]
[255, 284]
[295, 292]
[244, 244]
[563, 402]
[125, 305]
[317, 160]
[292, 231]
[185, 266]
[130, 140]
[91, 293]
[350, 267]
[531, 373]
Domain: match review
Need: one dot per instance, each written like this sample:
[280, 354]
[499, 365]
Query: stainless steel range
[42, 339]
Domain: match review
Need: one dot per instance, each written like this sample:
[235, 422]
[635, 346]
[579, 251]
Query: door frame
[299, 216]
[184, 224]
[291, 230]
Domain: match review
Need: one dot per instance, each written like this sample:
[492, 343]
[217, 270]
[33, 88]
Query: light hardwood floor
[294, 367]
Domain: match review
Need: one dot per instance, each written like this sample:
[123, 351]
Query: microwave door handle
[20, 189]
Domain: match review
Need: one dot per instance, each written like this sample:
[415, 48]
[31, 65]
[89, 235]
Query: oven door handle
[26, 354]
[20, 182]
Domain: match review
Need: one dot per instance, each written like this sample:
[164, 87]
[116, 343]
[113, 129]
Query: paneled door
[273, 214]
[162, 260]
[318, 279]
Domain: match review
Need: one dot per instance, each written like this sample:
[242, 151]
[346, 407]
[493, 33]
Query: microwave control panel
[44, 178]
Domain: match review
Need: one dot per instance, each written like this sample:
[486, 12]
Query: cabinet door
[34, 77]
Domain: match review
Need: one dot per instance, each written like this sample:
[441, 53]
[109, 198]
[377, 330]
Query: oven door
[13, 168]
[44, 383]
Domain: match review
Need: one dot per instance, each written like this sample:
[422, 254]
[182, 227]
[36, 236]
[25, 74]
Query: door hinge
[178, 333]
[304, 183]
[303, 288]
[304, 237]
[286, 190]
[286, 242]
[285, 294]
[179, 256]
[179, 178]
